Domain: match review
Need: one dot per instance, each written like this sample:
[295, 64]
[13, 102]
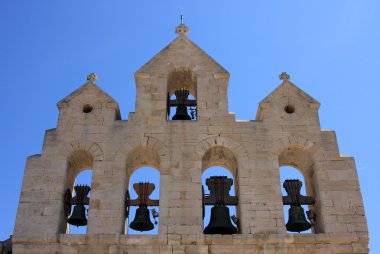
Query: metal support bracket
[143, 190]
[219, 187]
[81, 193]
[294, 197]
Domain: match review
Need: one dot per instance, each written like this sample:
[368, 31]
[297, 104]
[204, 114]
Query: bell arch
[299, 157]
[78, 185]
[182, 78]
[77, 162]
[295, 141]
[143, 189]
[143, 219]
[182, 94]
[220, 156]
[157, 151]
[219, 190]
[296, 168]
[239, 152]
[142, 156]
[92, 148]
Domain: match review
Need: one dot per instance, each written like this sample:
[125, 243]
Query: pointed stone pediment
[170, 57]
[85, 90]
[287, 101]
[287, 88]
[87, 105]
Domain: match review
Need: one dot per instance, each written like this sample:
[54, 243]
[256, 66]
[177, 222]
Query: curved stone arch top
[296, 151]
[237, 149]
[79, 155]
[150, 143]
[77, 145]
[305, 143]
[158, 146]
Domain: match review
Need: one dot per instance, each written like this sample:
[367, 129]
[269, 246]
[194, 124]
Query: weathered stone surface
[181, 150]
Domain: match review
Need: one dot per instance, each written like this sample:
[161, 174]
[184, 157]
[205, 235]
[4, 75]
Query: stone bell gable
[181, 63]
[182, 128]
[87, 105]
[289, 105]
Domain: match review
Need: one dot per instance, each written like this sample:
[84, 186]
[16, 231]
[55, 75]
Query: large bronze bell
[297, 220]
[78, 217]
[181, 113]
[142, 220]
[220, 222]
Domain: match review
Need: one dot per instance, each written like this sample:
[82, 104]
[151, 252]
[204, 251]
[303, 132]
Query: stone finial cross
[284, 76]
[92, 77]
[182, 29]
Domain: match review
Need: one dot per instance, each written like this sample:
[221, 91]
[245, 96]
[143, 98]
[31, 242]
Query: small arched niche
[182, 95]
[296, 163]
[143, 167]
[79, 166]
[220, 162]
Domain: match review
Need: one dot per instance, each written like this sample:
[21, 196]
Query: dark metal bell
[78, 217]
[181, 113]
[297, 220]
[220, 222]
[142, 220]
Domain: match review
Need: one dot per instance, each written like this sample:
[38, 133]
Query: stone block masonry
[91, 134]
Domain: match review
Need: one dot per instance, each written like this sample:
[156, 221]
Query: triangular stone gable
[289, 89]
[88, 87]
[276, 102]
[181, 43]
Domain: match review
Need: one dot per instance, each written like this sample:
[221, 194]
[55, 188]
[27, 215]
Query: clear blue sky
[331, 49]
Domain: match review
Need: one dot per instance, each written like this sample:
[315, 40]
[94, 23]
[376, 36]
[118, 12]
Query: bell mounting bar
[81, 192]
[181, 99]
[219, 187]
[143, 190]
[294, 197]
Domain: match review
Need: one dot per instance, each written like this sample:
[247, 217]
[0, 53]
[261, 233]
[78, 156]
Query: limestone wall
[252, 150]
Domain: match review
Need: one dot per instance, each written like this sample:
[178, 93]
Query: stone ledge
[240, 239]
[195, 248]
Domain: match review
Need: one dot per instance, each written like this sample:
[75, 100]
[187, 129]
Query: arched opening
[142, 195]
[286, 173]
[212, 172]
[144, 175]
[181, 96]
[83, 179]
[77, 195]
[296, 172]
[220, 191]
